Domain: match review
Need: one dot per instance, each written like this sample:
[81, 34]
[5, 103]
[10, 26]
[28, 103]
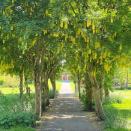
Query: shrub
[14, 111]
[84, 100]
[112, 99]
[51, 94]
[18, 118]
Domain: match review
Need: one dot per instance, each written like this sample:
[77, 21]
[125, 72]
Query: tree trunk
[89, 93]
[101, 93]
[27, 87]
[21, 76]
[53, 82]
[97, 97]
[89, 99]
[106, 92]
[37, 81]
[98, 103]
[43, 97]
[78, 83]
[75, 83]
[45, 93]
[127, 80]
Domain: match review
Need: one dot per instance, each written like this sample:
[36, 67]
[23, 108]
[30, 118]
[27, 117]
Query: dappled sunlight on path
[66, 114]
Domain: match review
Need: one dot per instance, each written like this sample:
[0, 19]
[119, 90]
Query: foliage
[18, 118]
[112, 99]
[14, 112]
[8, 105]
[84, 101]
[51, 94]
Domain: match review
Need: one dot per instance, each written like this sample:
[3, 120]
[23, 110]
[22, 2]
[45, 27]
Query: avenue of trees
[92, 36]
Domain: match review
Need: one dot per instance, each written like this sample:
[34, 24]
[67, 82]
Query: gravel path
[66, 114]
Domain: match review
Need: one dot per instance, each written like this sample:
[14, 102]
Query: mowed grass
[126, 99]
[14, 90]
[119, 112]
[9, 90]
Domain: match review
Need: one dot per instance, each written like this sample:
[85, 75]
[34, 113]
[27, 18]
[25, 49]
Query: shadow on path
[66, 114]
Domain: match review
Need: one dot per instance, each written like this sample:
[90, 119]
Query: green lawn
[119, 111]
[9, 90]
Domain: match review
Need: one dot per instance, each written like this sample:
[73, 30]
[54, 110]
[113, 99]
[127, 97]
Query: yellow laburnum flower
[93, 73]
[45, 31]
[46, 12]
[73, 39]
[107, 67]
[65, 25]
[34, 41]
[55, 34]
[78, 32]
[93, 28]
[12, 28]
[88, 23]
[61, 24]
[94, 56]
[104, 55]
[89, 52]
[97, 45]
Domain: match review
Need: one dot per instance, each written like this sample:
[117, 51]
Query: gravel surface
[65, 114]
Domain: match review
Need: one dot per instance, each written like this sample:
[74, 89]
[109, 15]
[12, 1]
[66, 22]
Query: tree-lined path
[66, 114]
[84, 41]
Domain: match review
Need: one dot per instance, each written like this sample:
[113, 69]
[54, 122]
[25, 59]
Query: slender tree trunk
[89, 93]
[53, 82]
[106, 90]
[97, 95]
[43, 97]
[26, 83]
[101, 93]
[21, 75]
[45, 92]
[78, 83]
[27, 87]
[127, 80]
[37, 81]
[98, 101]
[90, 99]
[75, 83]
